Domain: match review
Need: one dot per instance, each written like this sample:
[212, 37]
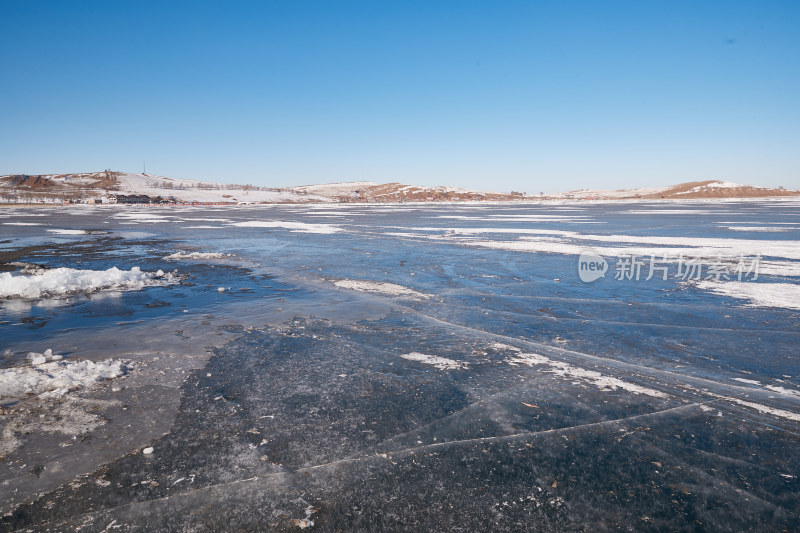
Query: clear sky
[531, 96]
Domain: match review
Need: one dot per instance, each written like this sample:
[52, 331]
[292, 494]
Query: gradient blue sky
[532, 96]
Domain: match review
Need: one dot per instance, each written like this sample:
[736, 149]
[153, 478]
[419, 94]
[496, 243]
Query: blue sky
[531, 96]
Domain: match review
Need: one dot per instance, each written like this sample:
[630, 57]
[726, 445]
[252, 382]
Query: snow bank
[56, 378]
[294, 226]
[378, 287]
[786, 295]
[442, 363]
[61, 281]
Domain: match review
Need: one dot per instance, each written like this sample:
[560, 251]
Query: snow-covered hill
[689, 190]
[106, 186]
[102, 186]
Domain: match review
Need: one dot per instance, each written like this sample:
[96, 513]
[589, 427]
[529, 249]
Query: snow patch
[784, 391]
[68, 231]
[748, 381]
[196, 255]
[442, 363]
[781, 413]
[756, 228]
[56, 378]
[380, 287]
[202, 227]
[61, 281]
[785, 295]
[565, 370]
[504, 347]
[303, 227]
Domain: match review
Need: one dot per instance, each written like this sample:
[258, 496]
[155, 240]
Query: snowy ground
[398, 367]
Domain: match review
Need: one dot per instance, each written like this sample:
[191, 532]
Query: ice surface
[61, 281]
[504, 401]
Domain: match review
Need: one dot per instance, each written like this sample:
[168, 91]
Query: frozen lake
[401, 367]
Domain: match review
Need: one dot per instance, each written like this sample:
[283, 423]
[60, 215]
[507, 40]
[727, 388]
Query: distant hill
[687, 191]
[106, 186]
[102, 186]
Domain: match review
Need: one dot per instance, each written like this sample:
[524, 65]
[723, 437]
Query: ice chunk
[36, 358]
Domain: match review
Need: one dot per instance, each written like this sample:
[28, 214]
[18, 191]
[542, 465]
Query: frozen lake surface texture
[401, 367]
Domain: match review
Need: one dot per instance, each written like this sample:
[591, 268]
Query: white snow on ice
[68, 231]
[565, 370]
[441, 363]
[756, 228]
[294, 226]
[785, 295]
[61, 281]
[380, 287]
[788, 415]
[196, 255]
[56, 378]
